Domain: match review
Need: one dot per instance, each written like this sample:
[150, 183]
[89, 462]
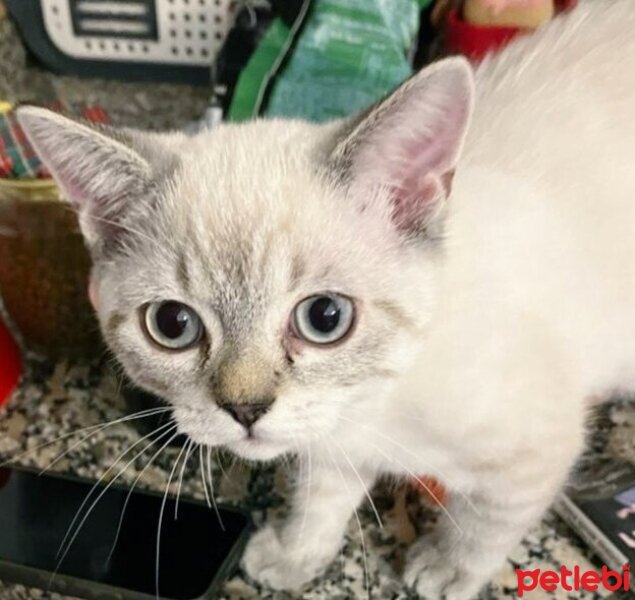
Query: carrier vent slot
[128, 19]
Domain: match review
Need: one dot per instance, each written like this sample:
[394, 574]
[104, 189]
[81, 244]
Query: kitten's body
[475, 353]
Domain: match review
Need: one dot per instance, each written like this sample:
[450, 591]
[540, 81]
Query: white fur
[536, 310]
[503, 332]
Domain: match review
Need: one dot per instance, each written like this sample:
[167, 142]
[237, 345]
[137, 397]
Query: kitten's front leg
[309, 540]
[478, 531]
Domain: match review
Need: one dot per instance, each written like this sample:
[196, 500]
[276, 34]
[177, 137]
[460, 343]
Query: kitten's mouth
[251, 445]
[254, 447]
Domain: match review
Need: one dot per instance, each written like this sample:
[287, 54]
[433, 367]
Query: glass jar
[44, 269]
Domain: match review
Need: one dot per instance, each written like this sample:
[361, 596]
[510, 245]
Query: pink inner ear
[429, 151]
[414, 141]
[416, 162]
[413, 204]
[422, 168]
[92, 294]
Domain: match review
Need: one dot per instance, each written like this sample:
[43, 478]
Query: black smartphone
[114, 554]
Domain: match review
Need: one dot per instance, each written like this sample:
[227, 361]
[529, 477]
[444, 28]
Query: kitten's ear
[97, 173]
[408, 145]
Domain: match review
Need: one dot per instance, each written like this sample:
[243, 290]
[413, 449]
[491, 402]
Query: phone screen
[36, 511]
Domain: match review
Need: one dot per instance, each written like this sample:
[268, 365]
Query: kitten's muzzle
[246, 413]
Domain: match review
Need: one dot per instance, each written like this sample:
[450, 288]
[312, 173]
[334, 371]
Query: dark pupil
[172, 319]
[324, 315]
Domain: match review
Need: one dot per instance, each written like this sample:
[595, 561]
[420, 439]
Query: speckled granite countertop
[57, 398]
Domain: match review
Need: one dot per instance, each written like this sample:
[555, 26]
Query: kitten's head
[266, 279]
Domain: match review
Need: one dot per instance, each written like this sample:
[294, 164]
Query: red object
[431, 489]
[10, 364]
[476, 41]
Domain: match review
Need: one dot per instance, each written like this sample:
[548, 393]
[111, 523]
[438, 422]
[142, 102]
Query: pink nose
[246, 414]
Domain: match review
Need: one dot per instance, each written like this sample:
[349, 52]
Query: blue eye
[324, 319]
[173, 325]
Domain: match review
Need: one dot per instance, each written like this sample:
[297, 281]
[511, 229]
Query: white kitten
[470, 286]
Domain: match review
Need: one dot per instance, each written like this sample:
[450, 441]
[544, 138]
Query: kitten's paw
[267, 561]
[436, 575]
[263, 559]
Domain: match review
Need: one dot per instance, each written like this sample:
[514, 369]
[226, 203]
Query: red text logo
[573, 579]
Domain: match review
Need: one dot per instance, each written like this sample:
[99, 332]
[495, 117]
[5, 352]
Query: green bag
[348, 55]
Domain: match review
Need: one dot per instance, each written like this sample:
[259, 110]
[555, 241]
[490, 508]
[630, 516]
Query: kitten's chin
[257, 449]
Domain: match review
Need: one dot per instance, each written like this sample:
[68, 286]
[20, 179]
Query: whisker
[119, 384]
[95, 486]
[359, 523]
[189, 445]
[89, 435]
[165, 497]
[397, 444]
[424, 486]
[285, 461]
[219, 462]
[202, 468]
[109, 485]
[308, 495]
[211, 486]
[127, 500]
[122, 226]
[94, 428]
[105, 474]
[361, 481]
[405, 415]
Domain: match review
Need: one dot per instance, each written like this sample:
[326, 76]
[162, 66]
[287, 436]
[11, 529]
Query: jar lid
[29, 189]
